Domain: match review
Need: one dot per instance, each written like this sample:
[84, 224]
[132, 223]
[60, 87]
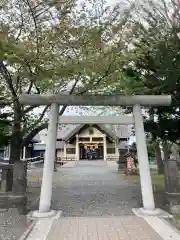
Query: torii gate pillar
[144, 169]
[46, 187]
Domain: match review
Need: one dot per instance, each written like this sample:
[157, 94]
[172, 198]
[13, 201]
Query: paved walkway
[96, 204]
[99, 228]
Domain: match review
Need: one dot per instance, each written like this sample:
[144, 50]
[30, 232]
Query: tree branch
[8, 78]
[35, 24]
[32, 80]
[28, 109]
[70, 92]
[22, 23]
[33, 133]
[30, 87]
[106, 73]
[27, 139]
[39, 128]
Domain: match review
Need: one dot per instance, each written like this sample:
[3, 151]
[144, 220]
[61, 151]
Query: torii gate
[96, 100]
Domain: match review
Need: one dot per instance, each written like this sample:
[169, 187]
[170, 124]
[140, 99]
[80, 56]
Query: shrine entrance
[96, 100]
[88, 151]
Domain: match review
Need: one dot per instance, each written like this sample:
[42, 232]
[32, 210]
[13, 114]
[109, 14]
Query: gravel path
[93, 189]
[12, 225]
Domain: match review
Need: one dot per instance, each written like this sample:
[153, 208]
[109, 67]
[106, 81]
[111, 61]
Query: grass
[157, 180]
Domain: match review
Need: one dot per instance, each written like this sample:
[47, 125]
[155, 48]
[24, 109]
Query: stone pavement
[102, 228]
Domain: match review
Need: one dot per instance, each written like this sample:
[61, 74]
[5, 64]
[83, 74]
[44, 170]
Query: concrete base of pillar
[51, 214]
[142, 212]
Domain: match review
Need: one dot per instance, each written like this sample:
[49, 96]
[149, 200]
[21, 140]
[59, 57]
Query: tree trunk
[160, 164]
[165, 146]
[15, 154]
[15, 143]
[19, 170]
[20, 185]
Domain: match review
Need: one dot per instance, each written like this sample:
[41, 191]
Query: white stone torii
[95, 100]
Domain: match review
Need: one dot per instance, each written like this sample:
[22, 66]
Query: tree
[155, 69]
[152, 66]
[4, 125]
[52, 46]
[150, 147]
